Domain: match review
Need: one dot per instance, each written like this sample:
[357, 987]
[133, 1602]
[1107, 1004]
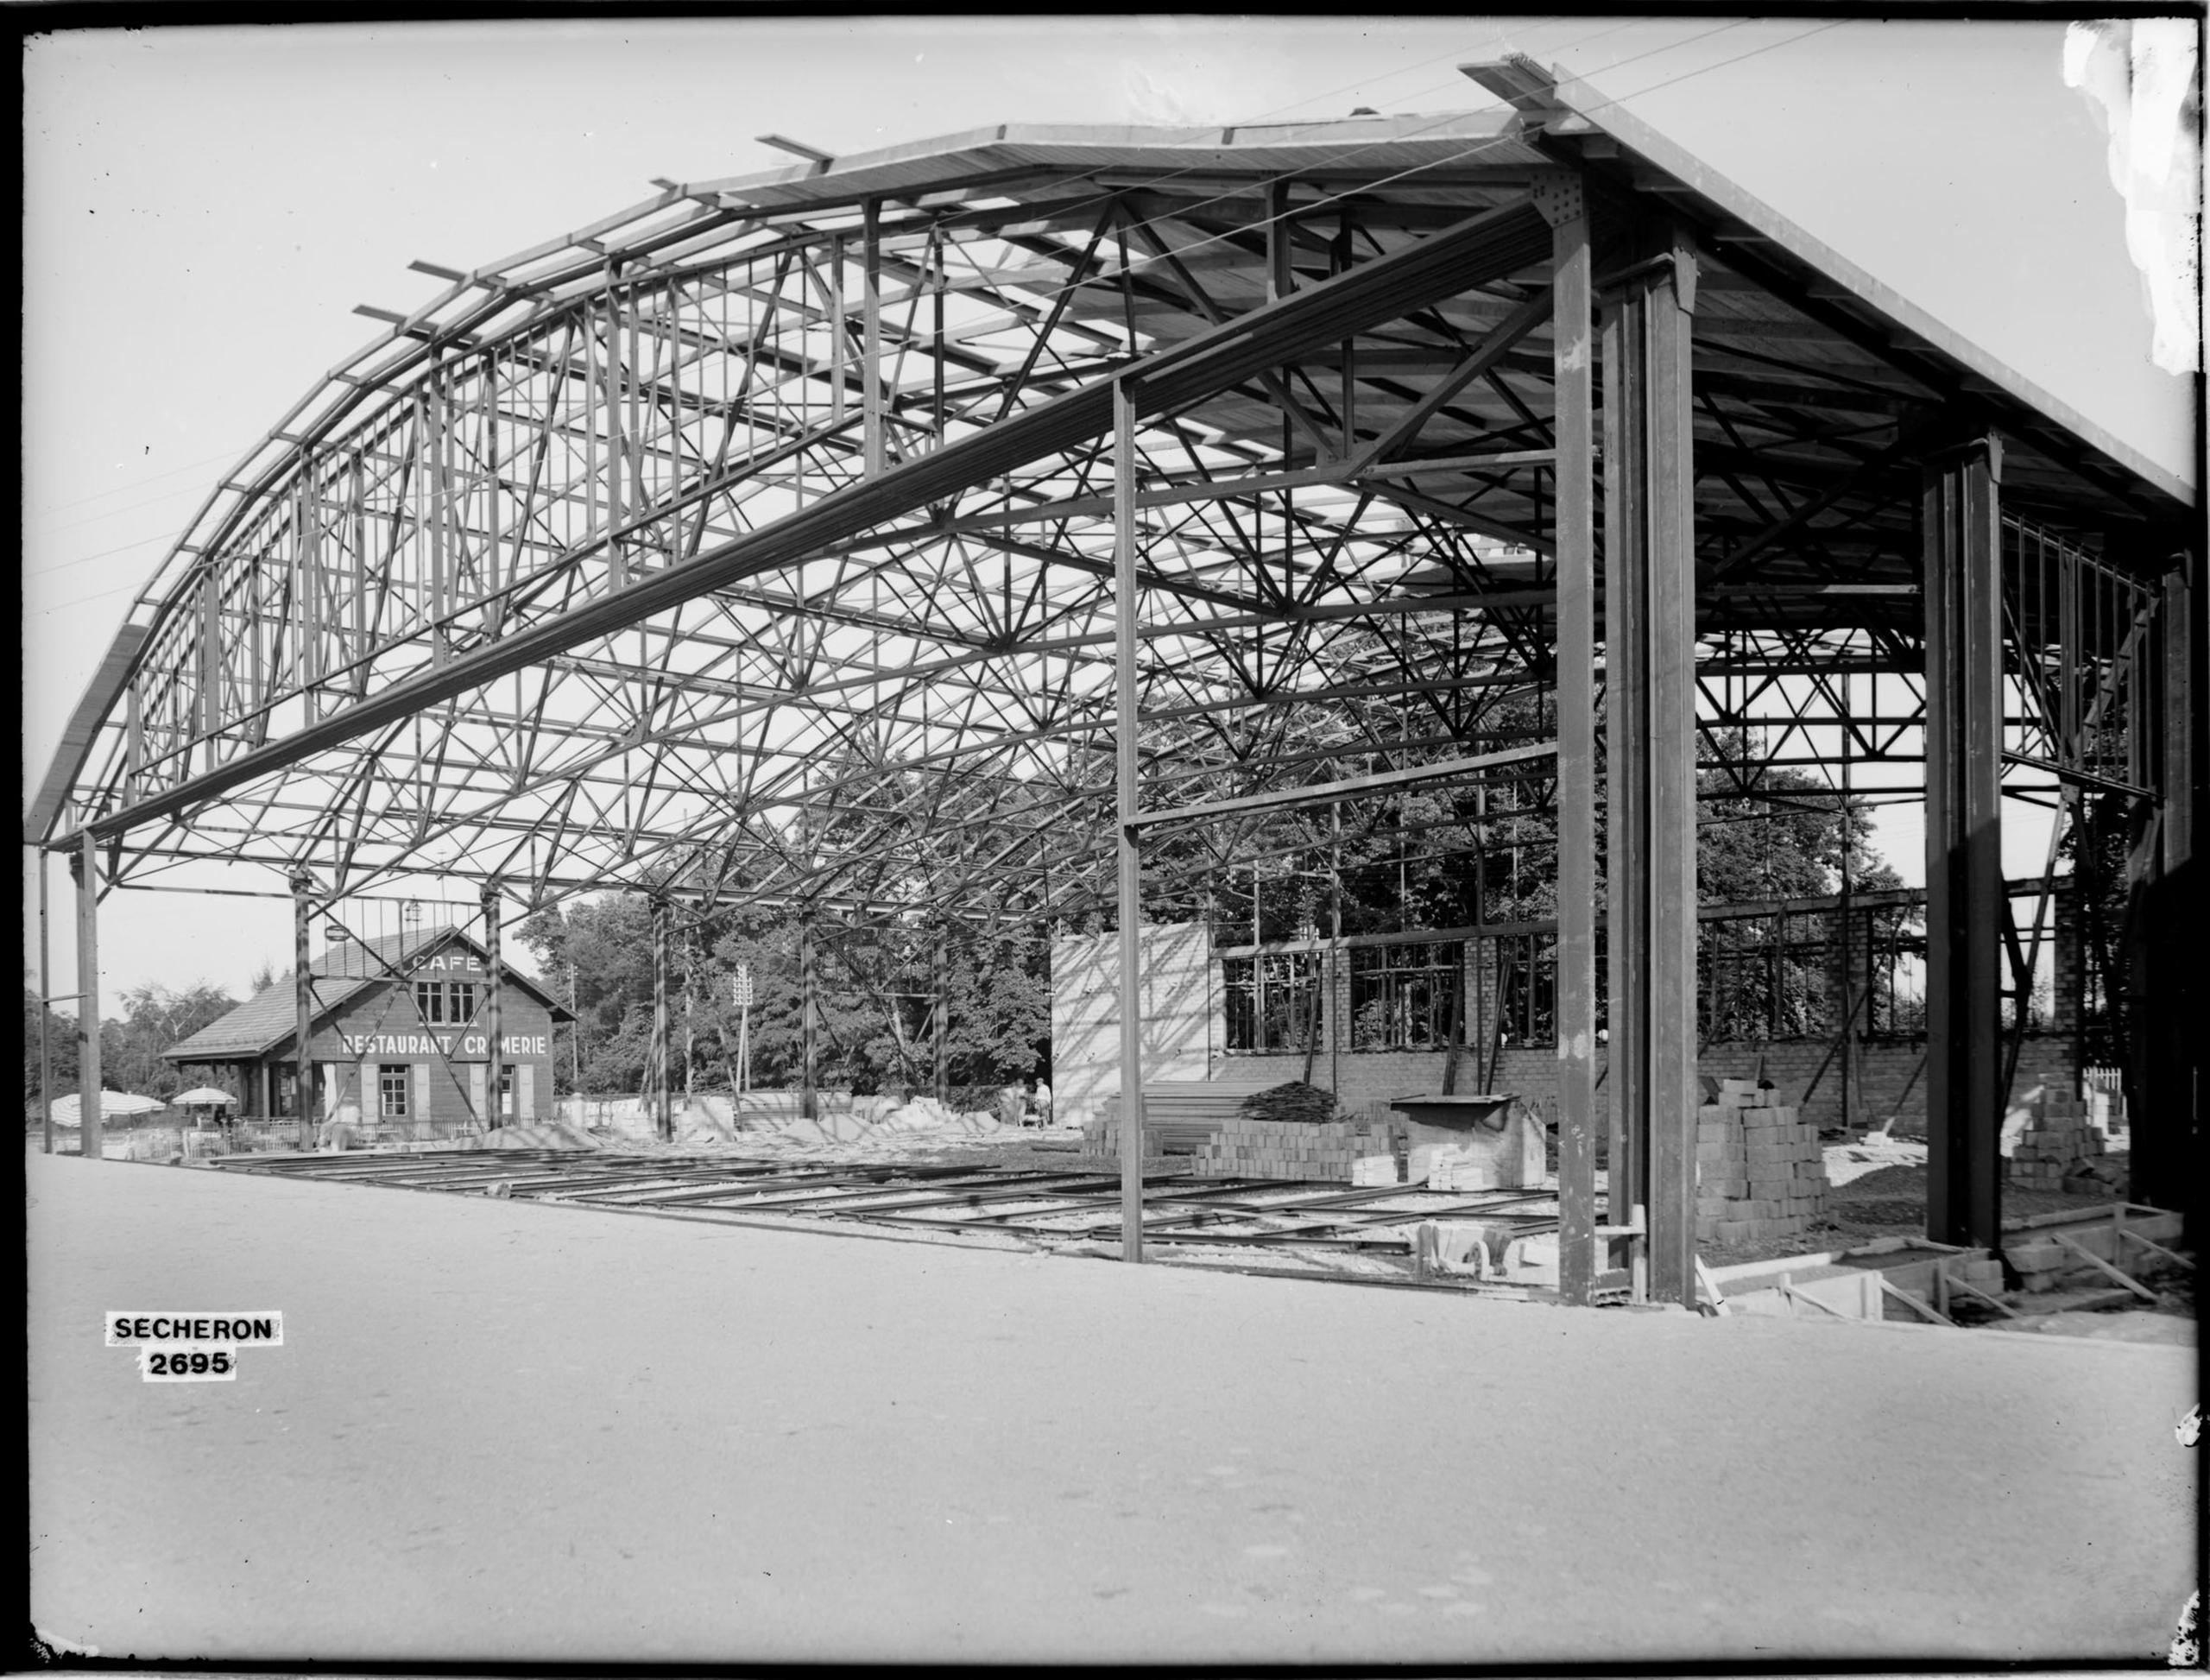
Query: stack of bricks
[1353, 1152]
[1100, 1143]
[1760, 1170]
[2061, 1149]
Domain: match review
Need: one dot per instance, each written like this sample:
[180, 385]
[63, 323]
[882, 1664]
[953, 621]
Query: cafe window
[391, 1089]
[445, 1003]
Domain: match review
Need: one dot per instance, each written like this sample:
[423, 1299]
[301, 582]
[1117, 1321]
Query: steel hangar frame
[1035, 518]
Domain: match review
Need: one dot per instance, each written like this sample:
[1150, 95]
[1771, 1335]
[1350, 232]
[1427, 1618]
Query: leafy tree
[155, 1018]
[62, 1047]
[597, 953]
[872, 998]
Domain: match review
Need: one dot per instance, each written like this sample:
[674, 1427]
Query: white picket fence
[2104, 1089]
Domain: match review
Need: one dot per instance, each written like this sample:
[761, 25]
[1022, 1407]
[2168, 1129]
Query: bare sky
[205, 206]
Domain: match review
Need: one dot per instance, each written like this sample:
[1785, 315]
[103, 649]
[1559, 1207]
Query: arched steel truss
[761, 496]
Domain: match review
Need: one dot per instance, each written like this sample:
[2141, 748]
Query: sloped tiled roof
[267, 1018]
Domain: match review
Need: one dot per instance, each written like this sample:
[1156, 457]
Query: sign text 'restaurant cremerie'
[441, 1044]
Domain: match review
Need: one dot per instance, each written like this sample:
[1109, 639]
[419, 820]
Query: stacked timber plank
[1295, 1102]
[1341, 1151]
[2062, 1149]
[1760, 1170]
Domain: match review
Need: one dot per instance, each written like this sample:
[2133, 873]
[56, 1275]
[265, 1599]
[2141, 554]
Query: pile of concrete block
[1352, 1151]
[1101, 1146]
[2062, 1149]
[1759, 1170]
[1476, 1158]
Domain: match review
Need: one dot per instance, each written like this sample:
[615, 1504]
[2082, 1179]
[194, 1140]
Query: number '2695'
[212, 1365]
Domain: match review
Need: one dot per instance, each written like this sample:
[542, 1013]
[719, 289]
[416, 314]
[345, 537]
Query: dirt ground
[500, 1430]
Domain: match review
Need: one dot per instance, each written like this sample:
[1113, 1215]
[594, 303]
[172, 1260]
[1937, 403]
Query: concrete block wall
[1369, 1078]
[2041, 1261]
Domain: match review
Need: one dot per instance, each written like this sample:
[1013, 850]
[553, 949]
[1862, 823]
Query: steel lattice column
[493, 1059]
[303, 1082]
[809, 1100]
[939, 1023]
[1960, 519]
[1128, 861]
[663, 1093]
[1650, 788]
[2166, 1001]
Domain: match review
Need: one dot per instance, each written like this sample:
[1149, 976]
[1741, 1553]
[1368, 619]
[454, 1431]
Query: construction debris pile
[1348, 1151]
[1759, 1170]
[536, 1134]
[2062, 1149]
[865, 1120]
[926, 1114]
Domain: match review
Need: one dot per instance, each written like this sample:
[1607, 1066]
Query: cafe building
[399, 1034]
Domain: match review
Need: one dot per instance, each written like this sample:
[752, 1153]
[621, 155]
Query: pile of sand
[926, 1114]
[539, 1134]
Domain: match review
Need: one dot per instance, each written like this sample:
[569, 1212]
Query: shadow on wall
[1179, 1001]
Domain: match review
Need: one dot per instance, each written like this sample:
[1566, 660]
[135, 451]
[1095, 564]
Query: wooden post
[1128, 860]
[303, 1086]
[1559, 196]
[88, 998]
[492, 1013]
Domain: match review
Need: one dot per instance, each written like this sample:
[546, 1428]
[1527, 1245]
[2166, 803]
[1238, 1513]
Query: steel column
[1129, 860]
[939, 1024]
[1649, 701]
[663, 1090]
[88, 997]
[491, 1007]
[45, 1009]
[1961, 529]
[1558, 195]
[303, 1009]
